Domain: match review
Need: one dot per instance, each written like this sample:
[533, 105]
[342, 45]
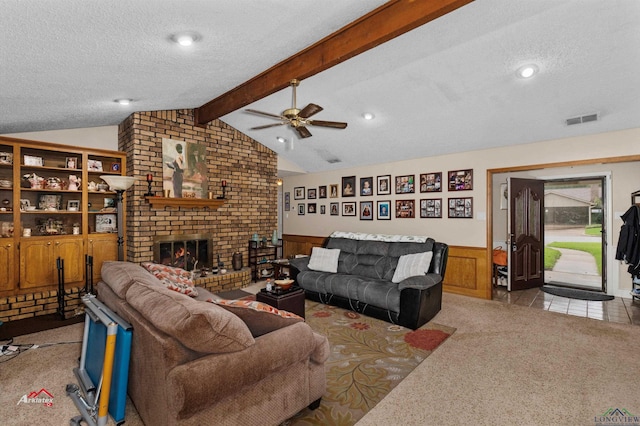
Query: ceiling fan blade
[268, 114]
[334, 124]
[309, 110]
[266, 126]
[303, 132]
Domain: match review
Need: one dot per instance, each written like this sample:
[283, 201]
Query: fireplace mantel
[162, 202]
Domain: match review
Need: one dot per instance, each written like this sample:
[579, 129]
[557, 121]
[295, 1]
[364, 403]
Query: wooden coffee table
[292, 300]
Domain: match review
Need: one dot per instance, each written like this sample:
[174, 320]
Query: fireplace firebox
[187, 251]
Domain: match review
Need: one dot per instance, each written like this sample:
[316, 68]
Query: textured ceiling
[446, 87]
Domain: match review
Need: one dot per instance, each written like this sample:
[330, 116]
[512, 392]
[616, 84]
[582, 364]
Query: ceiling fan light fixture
[368, 116]
[186, 38]
[527, 71]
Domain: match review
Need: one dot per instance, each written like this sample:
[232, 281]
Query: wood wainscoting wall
[467, 268]
[468, 272]
[300, 244]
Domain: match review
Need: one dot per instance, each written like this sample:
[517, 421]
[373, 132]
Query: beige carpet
[504, 365]
[513, 365]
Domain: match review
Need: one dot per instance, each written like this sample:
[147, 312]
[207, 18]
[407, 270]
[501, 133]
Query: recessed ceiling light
[368, 116]
[123, 101]
[281, 139]
[186, 38]
[527, 71]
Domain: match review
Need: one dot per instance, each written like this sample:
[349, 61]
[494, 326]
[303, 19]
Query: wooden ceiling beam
[388, 21]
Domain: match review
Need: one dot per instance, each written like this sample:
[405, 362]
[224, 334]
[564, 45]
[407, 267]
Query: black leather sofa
[363, 281]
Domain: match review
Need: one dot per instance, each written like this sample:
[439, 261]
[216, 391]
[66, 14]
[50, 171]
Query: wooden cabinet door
[71, 251]
[7, 265]
[37, 263]
[103, 248]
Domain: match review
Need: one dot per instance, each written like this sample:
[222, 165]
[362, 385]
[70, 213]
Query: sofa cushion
[412, 265]
[176, 279]
[259, 317]
[200, 326]
[325, 260]
[119, 276]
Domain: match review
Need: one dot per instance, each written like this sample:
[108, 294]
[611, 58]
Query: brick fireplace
[248, 167]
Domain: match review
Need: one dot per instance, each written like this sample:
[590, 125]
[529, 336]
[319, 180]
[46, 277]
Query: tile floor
[621, 310]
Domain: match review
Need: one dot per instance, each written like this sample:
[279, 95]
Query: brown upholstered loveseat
[193, 362]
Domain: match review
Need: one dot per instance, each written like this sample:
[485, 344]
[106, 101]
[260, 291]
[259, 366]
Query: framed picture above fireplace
[184, 169]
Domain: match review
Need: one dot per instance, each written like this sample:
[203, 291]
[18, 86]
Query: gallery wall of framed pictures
[426, 207]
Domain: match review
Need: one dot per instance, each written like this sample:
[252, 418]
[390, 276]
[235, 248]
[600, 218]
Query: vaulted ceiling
[447, 86]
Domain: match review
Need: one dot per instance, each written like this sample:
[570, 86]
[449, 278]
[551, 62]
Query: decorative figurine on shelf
[274, 238]
[263, 243]
[74, 183]
[35, 181]
[54, 183]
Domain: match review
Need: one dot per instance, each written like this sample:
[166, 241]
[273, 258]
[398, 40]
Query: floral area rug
[368, 358]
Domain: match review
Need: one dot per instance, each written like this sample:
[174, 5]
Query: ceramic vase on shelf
[274, 238]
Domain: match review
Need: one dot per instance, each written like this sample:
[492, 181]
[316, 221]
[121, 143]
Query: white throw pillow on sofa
[412, 265]
[325, 260]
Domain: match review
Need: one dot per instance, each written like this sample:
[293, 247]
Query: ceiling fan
[296, 118]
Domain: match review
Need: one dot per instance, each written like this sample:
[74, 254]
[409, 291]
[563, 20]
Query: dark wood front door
[526, 251]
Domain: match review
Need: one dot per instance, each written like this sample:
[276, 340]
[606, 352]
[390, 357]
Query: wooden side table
[292, 301]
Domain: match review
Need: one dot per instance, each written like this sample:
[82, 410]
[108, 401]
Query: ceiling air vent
[582, 119]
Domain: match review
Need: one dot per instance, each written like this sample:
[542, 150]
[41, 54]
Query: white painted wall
[472, 232]
[105, 137]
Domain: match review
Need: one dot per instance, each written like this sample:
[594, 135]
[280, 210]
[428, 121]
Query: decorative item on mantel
[274, 238]
[223, 185]
[149, 182]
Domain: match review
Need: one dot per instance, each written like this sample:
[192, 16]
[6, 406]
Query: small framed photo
[94, 165]
[109, 203]
[73, 205]
[461, 208]
[323, 209]
[115, 167]
[431, 208]
[322, 191]
[287, 201]
[366, 186]
[348, 187]
[106, 223]
[334, 209]
[50, 202]
[311, 194]
[333, 190]
[71, 162]
[384, 185]
[431, 182]
[461, 180]
[300, 209]
[405, 209]
[405, 184]
[32, 160]
[311, 208]
[298, 193]
[384, 210]
[349, 208]
[366, 210]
